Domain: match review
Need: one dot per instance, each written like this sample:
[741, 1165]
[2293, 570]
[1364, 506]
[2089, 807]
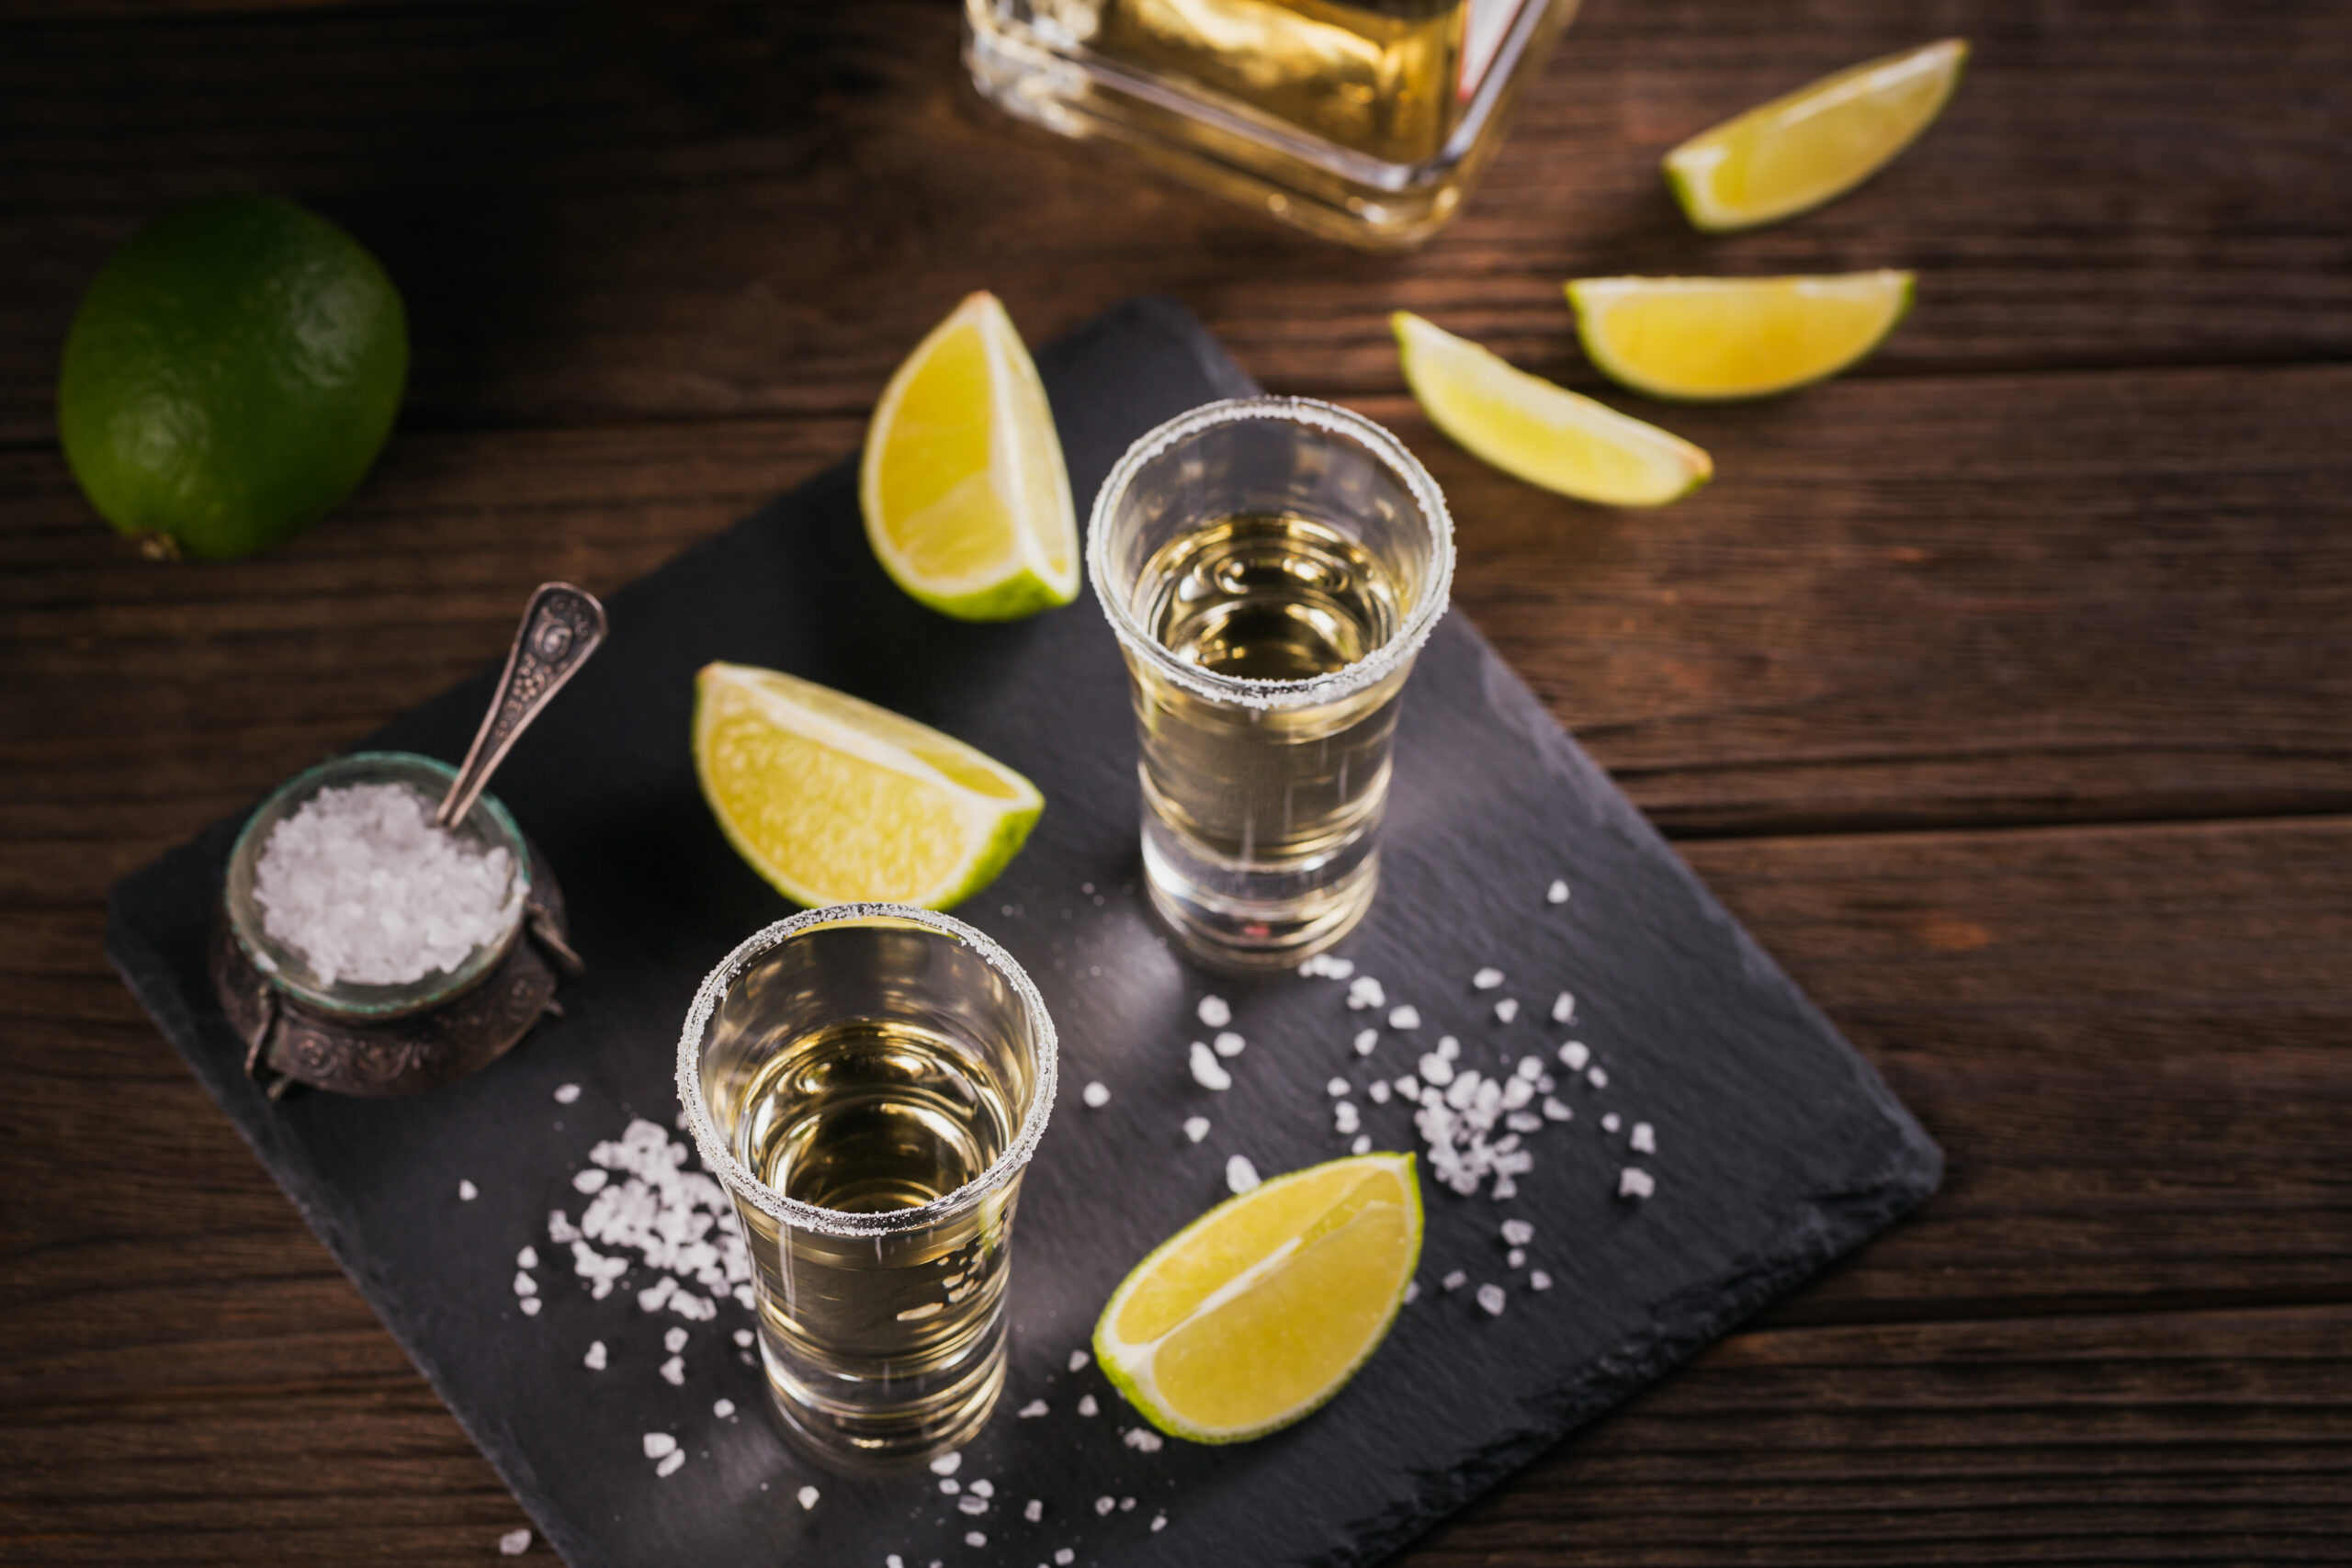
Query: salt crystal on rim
[1078, 1359]
[671, 1465]
[1213, 1012]
[1032, 1410]
[674, 1371]
[1573, 1056]
[1095, 1095]
[565, 1093]
[1086, 1405]
[1538, 1280]
[1645, 1139]
[659, 1445]
[594, 1360]
[1564, 1008]
[1197, 1127]
[1239, 1174]
[1609, 1123]
[675, 1340]
[1404, 1017]
[1557, 893]
[952, 1460]
[1491, 1298]
[1454, 1280]
[1505, 1010]
[1206, 1071]
[808, 1496]
[1367, 1041]
[467, 1192]
[513, 1543]
[1518, 1233]
[1633, 1182]
[1034, 1510]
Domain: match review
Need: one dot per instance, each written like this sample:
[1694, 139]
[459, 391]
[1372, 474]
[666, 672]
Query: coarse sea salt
[1078, 1359]
[1213, 1012]
[1086, 1405]
[565, 1093]
[365, 886]
[594, 1360]
[1517, 1232]
[1564, 1008]
[1034, 1510]
[724, 1409]
[1032, 1410]
[1644, 1138]
[1379, 1090]
[1505, 1010]
[1208, 1071]
[1486, 979]
[1143, 1439]
[1095, 1096]
[467, 1192]
[808, 1496]
[1557, 893]
[1573, 1056]
[1228, 1045]
[1633, 1182]
[670, 1466]
[1538, 1280]
[1196, 1128]
[947, 1463]
[1364, 992]
[1609, 1123]
[513, 1543]
[1491, 1298]
[1367, 1041]
[1404, 1017]
[1454, 1280]
[1239, 1174]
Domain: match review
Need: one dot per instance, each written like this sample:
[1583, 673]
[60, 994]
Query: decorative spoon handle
[561, 627]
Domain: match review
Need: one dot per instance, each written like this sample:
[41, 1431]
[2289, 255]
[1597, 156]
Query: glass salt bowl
[487, 825]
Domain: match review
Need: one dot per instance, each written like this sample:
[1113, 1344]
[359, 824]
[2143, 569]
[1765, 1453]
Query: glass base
[860, 1438]
[1230, 147]
[1255, 919]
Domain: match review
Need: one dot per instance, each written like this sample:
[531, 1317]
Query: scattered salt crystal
[949, 1487]
[660, 1445]
[1336, 1089]
[1158, 1522]
[1516, 1257]
[1095, 1095]
[1367, 1041]
[1645, 1139]
[1505, 1010]
[1435, 1069]
[530, 1305]
[1633, 1182]
[1486, 979]
[1364, 991]
[591, 1180]
[675, 1340]
[1409, 1087]
[1078, 1359]
[1530, 1068]
[671, 1465]
[1412, 1292]
[1573, 1056]
[561, 1230]
[565, 1093]
[949, 1464]
[1454, 1280]
[467, 1192]
[808, 1496]
[724, 1409]
[1597, 1077]
[1032, 1410]
[1362, 1145]
[594, 1360]
[742, 1338]
[656, 1295]
[1555, 1111]
[1104, 1504]
[526, 1286]
[1034, 1510]
[513, 1543]
[1379, 1090]
[1448, 1047]
[1228, 1045]
[674, 1371]
[1523, 1121]
[972, 1505]
[528, 1259]
[1338, 968]
[1197, 1127]
[1491, 1298]
[1127, 1504]
[1086, 1405]
[367, 887]
[1538, 1280]
[971, 1537]
[1213, 1012]
[1504, 1188]
[1404, 1017]
[1065, 1556]
[1610, 1122]
[1518, 1233]
[894, 1559]
[1143, 1439]
[1239, 1174]
[983, 1488]
[1343, 1118]
[1207, 1072]
[1557, 893]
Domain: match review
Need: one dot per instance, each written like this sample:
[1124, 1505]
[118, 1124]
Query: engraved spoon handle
[561, 627]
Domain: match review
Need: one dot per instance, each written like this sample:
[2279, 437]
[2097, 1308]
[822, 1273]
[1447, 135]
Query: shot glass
[1272, 565]
[869, 1082]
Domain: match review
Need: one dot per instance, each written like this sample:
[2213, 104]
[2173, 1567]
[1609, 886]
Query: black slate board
[1777, 1149]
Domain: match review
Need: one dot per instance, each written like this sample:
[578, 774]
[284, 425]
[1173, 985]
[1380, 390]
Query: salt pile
[366, 887]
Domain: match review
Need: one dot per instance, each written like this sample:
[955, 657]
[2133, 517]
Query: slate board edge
[1816, 1235]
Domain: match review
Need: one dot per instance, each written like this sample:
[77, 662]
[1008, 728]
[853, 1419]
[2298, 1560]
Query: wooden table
[2004, 688]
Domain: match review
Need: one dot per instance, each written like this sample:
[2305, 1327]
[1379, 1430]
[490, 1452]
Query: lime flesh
[1709, 338]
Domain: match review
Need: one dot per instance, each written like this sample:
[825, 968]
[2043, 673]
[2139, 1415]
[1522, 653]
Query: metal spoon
[561, 627]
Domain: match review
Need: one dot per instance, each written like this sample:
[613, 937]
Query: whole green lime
[231, 376]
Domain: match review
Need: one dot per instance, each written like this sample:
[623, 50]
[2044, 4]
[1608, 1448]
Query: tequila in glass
[869, 1082]
[1363, 119]
[1271, 566]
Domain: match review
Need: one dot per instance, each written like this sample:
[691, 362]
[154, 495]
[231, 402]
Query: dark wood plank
[619, 213]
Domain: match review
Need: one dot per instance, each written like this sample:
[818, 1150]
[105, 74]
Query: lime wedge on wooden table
[836, 801]
[1734, 337]
[966, 500]
[1539, 433]
[1819, 141]
[1257, 1313]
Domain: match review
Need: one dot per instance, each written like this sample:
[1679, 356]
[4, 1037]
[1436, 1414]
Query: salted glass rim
[1244, 691]
[719, 1159]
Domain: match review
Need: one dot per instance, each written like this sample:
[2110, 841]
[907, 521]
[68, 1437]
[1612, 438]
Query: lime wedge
[1821, 141]
[1539, 433]
[967, 501]
[1705, 338]
[1258, 1312]
[836, 801]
